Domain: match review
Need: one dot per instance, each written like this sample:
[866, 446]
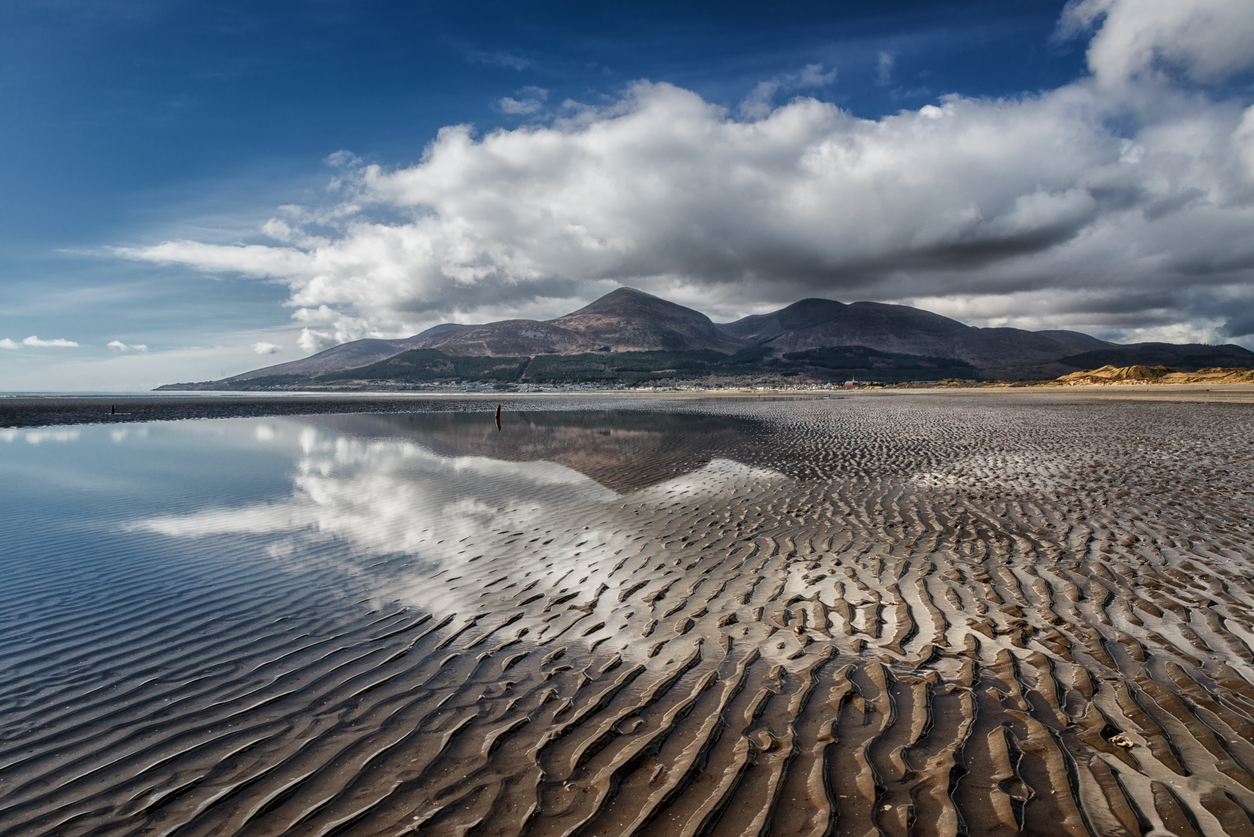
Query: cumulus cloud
[1206, 40]
[331, 327]
[1111, 208]
[315, 341]
[119, 346]
[263, 348]
[6, 343]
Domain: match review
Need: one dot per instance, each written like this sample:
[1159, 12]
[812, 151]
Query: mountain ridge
[354, 353]
[628, 320]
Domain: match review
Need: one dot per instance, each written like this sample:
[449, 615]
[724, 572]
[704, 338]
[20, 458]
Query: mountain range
[629, 336]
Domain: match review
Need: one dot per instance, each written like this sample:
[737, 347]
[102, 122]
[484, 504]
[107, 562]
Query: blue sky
[230, 184]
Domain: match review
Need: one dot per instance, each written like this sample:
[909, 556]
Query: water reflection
[620, 449]
[41, 435]
[444, 513]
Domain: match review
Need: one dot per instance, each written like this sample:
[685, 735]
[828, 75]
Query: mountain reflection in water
[621, 449]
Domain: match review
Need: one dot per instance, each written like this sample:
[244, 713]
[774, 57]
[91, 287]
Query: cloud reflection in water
[459, 533]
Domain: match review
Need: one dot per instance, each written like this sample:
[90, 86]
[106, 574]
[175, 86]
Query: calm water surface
[186, 603]
[94, 514]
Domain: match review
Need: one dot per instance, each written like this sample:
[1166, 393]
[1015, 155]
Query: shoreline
[1202, 393]
[20, 411]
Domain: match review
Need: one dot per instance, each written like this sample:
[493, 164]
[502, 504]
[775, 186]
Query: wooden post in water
[498, 416]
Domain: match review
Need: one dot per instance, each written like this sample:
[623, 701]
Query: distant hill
[349, 355]
[1188, 357]
[999, 352]
[629, 336]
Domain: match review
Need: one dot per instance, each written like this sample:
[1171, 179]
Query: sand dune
[889, 616]
[1108, 374]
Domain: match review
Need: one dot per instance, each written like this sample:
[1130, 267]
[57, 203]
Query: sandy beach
[896, 613]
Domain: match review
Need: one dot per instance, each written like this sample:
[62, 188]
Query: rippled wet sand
[907, 615]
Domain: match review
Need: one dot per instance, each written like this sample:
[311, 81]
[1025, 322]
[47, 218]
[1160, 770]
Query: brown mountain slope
[625, 320]
[349, 355]
[818, 323]
[511, 338]
[628, 320]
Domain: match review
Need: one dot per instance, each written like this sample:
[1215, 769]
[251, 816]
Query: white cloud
[516, 107]
[6, 343]
[257, 259]
[759, 103]
[813, 75]
[315, 341]
[1207, 40]
[264, 348]
[337, 328]
[530, 100]
[57, 342]
[119, 346]
[665, 185]
[1132, 202]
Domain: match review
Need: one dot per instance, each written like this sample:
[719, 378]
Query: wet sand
[897, 614]
[43, 411]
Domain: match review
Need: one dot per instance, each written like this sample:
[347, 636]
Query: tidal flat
[906, 614]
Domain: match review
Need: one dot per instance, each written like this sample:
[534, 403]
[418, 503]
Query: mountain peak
[628, 320]
[627, 301]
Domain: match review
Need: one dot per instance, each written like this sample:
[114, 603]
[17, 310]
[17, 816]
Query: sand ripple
[906, 616]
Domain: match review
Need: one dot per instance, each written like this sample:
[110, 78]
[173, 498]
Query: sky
[190, 189]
